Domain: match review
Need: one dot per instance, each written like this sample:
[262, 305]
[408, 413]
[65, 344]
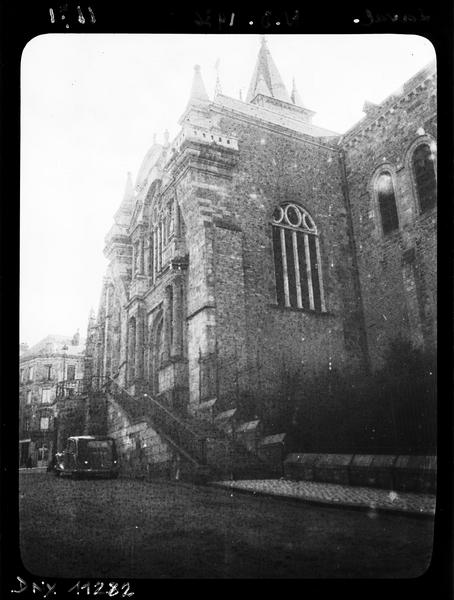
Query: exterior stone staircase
[208, 449]
[225, 455]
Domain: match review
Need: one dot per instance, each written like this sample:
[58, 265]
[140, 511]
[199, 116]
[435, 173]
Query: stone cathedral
[256, 242]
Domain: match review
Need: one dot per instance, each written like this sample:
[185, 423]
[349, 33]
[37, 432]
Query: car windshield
[96, 449]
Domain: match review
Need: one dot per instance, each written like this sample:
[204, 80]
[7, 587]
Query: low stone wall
[403, 473]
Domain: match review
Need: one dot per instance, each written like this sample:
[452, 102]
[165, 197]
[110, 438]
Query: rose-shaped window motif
[295, 216]
[297, 259]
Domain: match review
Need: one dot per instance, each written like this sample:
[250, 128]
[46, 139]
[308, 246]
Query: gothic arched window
[423, 164]
[132, 348]
[155, 344]
[387, 202]
[297, 261]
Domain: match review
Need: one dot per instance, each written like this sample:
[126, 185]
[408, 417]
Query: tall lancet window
[424, 173]
[387, 203]
[297, 259]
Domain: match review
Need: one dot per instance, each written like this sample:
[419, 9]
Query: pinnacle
[295, 97]
[198, 91]
[266, 69]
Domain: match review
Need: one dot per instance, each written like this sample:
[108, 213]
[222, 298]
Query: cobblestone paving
[339, 494]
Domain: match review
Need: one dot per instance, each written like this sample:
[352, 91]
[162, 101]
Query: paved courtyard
[137, 529]
[365, 497]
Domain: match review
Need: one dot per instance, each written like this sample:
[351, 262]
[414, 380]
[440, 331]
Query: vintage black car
[87, 455]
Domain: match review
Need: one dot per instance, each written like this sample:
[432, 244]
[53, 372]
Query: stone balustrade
[203, 135]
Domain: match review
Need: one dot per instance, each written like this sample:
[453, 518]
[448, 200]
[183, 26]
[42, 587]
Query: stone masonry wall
[230, 311]
[274, 166]
[142, 451]
[397, 271]
[202, 192]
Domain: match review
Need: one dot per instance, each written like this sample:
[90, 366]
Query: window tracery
[297, 259]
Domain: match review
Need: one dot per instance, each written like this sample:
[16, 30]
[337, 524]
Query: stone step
[225, 456]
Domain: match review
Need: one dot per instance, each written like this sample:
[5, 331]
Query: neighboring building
[390, 160]
[53, 359]
[257, 242]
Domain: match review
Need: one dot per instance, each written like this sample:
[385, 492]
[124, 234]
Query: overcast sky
[90, 105]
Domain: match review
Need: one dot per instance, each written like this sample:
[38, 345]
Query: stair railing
[179, 433]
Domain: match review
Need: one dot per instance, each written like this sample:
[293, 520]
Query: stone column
[106, 331]
[155, 253]
[134, 258]
[131, 356]
[139, 344]
[177, 218]
[177, 342]
[168, 308]
[141, 257]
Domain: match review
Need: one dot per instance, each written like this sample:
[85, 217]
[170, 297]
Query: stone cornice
[59, 355]
[279, 129]
[387, 107]
[208, 158]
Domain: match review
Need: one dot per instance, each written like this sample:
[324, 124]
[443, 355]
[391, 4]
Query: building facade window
[31, 373]
[161, 232]
[29, 397]
[136, 257]
[178, 220]
[71, 372]
[132, 348]
[151, 256]
[170, 317]
[423, 165]
[155, 345]
[297, 259]
[155, 252]
[386, 202]
[170, 221]
[44, 423]
[21, 375]
[46, 395]
[161, 243]
[48, 372]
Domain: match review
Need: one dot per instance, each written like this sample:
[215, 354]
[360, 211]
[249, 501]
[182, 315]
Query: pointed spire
[198, 91]
[217, 87]
[266, 69]
[261, 87]
[129, 189]
[76, 338]
[91, 326]
[123, 213]
[91, 317]
[294, 96]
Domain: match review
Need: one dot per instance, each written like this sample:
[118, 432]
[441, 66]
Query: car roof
[89, 437]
